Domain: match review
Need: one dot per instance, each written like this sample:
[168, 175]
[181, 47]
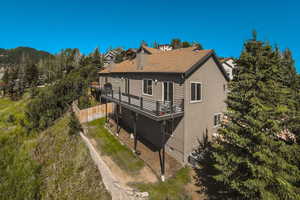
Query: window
[147, 87]
[217, 119]
[196, 92]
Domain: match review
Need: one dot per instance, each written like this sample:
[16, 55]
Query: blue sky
[86, 24]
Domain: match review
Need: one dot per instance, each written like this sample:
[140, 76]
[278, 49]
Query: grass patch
[110, 146]
[173, 188]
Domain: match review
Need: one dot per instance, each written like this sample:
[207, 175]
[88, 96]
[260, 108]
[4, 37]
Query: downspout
[184, 118]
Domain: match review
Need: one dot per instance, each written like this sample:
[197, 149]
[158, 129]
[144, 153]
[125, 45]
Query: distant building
[228, 65]
[165, 47]
[110, 56]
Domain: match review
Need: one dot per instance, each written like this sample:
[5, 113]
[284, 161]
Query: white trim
[163, 92]
[151, 87]
[215, 126]
[201, 91]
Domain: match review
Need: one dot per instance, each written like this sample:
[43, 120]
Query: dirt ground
[146, 175]
[195, 190]
[150, 157]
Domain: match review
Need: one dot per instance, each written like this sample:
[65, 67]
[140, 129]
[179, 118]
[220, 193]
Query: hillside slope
[15, 56]
[47, 165]
[68, 171]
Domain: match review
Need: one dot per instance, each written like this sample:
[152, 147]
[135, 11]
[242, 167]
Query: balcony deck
[157, 110]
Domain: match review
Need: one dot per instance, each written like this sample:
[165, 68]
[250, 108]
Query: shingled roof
[176, 61]
[184, 60]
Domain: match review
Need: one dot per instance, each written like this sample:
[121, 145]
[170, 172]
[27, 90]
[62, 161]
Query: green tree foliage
[250, 158]
[74, 125]
[16, 55]
[31, 74]
[14, 84]
[50, 103]
[84, 102]
[97, 59]
[176, 43]
[186, 44]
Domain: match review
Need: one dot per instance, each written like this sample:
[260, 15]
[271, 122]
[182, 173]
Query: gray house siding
[199, 116]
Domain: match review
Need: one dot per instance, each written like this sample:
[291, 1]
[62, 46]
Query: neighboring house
[228, 65]
[110, 56]
[165, 47]
[169, 100]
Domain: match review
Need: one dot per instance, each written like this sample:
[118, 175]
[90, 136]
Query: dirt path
[114, 184]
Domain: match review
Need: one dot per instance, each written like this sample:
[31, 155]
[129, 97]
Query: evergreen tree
[176, 43]
[185, 44]
[155, 45]
[290, 79]
[97, 59]
[74, 125]
[31, 74]
[251, 159]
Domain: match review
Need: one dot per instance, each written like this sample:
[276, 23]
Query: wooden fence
[92, 113]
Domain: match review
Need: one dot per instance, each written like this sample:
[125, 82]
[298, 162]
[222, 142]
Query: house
[228, 65]
[110, 56]
[165, 47]
[169, 99]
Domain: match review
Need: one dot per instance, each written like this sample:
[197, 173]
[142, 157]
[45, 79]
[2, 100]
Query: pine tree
[176, 43]
[31, 74]
[185, 44]
[289, 78]
[252, 161]
[74, 125]
[96, 58]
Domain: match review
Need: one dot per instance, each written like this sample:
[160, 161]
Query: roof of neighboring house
[177, 61]
[225, 59]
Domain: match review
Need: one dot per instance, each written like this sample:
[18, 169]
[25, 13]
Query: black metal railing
[155, 107]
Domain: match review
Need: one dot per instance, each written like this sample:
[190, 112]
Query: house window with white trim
[147, 87]
[217, 119]
[196, 92]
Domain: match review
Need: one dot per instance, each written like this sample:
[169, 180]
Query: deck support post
[162, 151]
[134, 131]
[106, 112]
[117, 119]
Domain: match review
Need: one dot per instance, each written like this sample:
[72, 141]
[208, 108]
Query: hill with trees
[20, 55]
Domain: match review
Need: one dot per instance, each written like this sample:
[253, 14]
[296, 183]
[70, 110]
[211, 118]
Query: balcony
[157, 110]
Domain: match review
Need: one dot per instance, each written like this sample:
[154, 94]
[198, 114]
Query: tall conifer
[250, 157]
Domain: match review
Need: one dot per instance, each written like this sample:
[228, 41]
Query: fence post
[129, 99]
[171, 104]
[157, 108]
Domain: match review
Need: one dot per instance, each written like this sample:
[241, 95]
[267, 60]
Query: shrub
[74, 125]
